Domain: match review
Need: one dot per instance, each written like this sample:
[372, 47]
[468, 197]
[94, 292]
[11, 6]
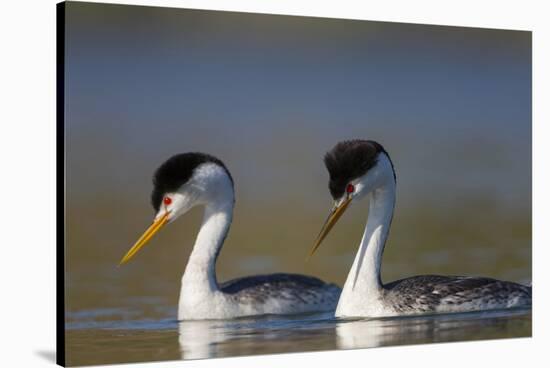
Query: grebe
[360, 168]
[194, 179]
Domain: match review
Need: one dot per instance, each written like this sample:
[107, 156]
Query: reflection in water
[353, 334]
[256, 335]
[199, 339]
[276, 334]
[101, 340]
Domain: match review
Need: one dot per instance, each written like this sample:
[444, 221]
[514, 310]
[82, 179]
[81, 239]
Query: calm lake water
[116, 336]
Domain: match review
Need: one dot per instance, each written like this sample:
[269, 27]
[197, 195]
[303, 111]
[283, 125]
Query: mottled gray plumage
[433, 293]
[300, 289]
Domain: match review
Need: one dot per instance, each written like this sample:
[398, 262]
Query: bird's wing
[259, 288]
[433, 293]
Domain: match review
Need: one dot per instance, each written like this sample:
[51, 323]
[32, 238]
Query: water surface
[101, 337]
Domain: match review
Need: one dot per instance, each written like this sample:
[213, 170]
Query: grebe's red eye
[350, 189]
[167, 200]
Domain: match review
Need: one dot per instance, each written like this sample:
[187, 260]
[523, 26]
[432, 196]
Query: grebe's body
[194, 179]
[363, 168]
[277, 293]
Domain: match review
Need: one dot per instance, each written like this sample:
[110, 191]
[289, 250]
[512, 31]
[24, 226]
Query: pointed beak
[336, 212]
[147, 235]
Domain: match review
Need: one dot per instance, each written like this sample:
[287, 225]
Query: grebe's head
[187, 180]
[356, 168]
[182, 182]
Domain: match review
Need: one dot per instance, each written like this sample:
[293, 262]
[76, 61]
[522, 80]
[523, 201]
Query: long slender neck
[364, 277]
[200, 272]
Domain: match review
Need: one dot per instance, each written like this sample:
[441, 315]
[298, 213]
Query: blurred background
[269, 95]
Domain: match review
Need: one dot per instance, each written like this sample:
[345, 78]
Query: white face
[209, 184]
[379, 176]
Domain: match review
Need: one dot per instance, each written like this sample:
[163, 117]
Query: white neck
[200, 273]
[363, 286]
